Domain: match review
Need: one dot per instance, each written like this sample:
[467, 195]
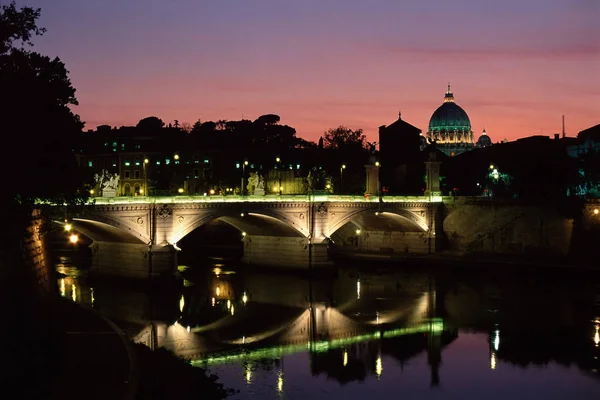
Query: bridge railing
[265, 198]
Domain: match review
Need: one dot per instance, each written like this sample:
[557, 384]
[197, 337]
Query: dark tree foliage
[18, 25]
[344, 138]
[41, 131]
[150, 125]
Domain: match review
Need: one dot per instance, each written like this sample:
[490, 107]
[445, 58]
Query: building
[450, 127]
[401, 158]
[483, 141]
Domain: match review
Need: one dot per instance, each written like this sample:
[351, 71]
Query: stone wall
[131, 260]
[37, 261]
[287, 252]
[506, 226]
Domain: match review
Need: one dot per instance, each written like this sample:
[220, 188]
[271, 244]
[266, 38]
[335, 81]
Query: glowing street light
[596, 211]
[243, 191]
[68, 227]
[73, 238]
[180, 190]
[342, 168]
[176, 156]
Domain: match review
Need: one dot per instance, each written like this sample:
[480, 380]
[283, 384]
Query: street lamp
[342, 168]
[278, 168]
[243, 191]
[145, 190]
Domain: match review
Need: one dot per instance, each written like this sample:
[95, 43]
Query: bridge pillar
[130, 260]
[285, 252]
[372, 184]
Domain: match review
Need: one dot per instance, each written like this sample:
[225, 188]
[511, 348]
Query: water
[363, 332]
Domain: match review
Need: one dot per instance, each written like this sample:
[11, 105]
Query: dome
[449, 117]
[484, 140]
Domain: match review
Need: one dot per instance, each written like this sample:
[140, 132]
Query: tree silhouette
[37, 97]
[344, 138]
[150, 125]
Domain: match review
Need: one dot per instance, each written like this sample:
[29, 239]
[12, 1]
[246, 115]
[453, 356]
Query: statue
[252, 181]
[260, 186]
[112, 182]
[107, 183]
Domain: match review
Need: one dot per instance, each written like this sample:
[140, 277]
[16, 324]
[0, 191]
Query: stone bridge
[138, 236]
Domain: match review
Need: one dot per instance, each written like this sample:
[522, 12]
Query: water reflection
[273, 333]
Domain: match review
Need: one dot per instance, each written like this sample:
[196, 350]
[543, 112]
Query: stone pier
[132, 260]
[289, 252]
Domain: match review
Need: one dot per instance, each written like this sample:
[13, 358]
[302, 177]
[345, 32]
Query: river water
[367, 331]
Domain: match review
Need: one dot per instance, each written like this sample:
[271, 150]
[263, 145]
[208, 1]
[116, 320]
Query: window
[127, 163]
[136, 174]
[127, 188]
[90, 163]
[137, 161]
[158, 163]
[168, 161]
[114, 162]
[206, 161]
[127, 174]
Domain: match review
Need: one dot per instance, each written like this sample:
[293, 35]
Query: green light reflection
[434, 326]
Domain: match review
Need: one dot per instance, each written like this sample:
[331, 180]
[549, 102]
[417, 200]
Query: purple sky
[515, 66]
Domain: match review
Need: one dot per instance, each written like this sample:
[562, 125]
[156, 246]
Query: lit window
[127, 163]
[237, 165]
[168, 161]
[114, 144]
[206, 161]
[158, 163]
[177, 162]
[90, 163]
[137, 163]
[297, 166]
[196, 162]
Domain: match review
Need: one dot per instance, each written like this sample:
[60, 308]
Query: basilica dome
[484, 140]
[450, 127]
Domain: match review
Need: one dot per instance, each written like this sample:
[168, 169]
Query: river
[367, 331]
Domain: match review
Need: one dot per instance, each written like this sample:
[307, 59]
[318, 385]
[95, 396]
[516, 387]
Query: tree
[150, 125]
[18, 25]
[344, 138]
[37, 97]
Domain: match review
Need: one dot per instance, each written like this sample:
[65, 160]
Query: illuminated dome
[484, 140]
[450, 127]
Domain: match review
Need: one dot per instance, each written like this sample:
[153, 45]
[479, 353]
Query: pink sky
[515, 67]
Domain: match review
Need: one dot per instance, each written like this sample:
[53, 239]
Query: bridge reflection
[349, 323]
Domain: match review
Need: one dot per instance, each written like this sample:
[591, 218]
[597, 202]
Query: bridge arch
[260, 222]
[104, 231]
[382, 219]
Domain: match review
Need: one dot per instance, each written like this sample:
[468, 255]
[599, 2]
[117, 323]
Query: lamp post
[342, 168]
[243, 190]
[146, 161]
[278, 160]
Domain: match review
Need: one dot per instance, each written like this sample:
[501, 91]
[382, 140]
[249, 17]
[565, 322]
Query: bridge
[138, 236]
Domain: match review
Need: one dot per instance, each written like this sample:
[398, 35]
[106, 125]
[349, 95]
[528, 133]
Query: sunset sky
[516, 66]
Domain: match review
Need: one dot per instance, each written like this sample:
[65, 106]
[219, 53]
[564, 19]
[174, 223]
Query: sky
[515, 66]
